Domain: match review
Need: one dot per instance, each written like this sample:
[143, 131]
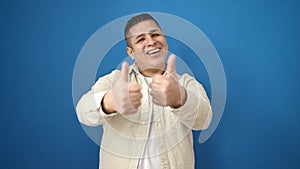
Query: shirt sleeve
[196, 113]
[89, 110]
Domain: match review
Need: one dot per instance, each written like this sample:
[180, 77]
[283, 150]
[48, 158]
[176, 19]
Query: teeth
[153, 51]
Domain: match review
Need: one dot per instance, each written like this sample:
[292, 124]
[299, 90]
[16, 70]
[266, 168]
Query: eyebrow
[151, 31]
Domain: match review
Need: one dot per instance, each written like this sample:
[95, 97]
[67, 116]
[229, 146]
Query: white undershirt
[148, 160]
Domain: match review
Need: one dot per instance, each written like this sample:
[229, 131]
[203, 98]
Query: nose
[150, 41]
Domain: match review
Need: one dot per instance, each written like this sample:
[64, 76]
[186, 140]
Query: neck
[151, 72]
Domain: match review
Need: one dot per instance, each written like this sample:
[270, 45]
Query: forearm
[181, 99]
[107, 103]
[90, 108]
[196, 111]
[204, 113]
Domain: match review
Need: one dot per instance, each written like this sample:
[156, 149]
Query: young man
[147, 110]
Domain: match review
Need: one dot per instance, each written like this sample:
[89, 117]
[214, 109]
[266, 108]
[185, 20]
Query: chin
[152, 65]
[157, 65]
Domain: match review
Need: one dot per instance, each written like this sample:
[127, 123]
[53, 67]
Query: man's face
[148, 45]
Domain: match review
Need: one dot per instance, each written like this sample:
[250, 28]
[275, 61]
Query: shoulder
[107, 80]
[184, 78]
[112, 75]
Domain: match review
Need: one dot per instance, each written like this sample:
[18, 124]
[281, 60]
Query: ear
[129, 51]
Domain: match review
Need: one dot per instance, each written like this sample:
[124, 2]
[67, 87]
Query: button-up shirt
[125, 136]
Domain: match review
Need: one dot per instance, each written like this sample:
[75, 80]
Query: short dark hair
[135, 20]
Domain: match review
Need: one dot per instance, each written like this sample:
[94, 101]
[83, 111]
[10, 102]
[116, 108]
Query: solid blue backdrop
[258, 44]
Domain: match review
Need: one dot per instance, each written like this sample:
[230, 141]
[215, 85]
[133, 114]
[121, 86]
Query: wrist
[181, 99]
[107, 103]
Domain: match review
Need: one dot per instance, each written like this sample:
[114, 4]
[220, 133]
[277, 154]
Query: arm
[184, 96]
[111, 95]
[89, 108]
[196, 111]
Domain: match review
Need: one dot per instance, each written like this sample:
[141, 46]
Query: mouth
[152, 52]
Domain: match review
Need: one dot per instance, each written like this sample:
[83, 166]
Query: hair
[135, 20]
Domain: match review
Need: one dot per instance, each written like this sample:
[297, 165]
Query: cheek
[138, 54]
[164, 41]
[138, 47]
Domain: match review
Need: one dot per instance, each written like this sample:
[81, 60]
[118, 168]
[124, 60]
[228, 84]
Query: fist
[166, 91]
[124, 97]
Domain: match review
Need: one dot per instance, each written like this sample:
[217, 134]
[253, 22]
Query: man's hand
[124, 97]
[166, 90]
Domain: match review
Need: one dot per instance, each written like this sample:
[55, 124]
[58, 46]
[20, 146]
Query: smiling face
[148, 47]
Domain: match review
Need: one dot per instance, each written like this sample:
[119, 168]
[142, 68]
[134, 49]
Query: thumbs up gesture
[124, 97]
[166, 91]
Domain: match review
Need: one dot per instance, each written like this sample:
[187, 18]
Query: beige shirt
[124, 136]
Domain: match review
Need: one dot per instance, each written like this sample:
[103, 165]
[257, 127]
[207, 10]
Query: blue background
[257, 41]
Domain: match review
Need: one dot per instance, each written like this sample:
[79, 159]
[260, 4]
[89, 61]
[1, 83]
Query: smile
[153, 51]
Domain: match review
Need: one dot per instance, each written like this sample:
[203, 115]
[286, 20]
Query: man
[147, 110]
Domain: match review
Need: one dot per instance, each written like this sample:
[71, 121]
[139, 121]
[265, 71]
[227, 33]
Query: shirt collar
[134, 68]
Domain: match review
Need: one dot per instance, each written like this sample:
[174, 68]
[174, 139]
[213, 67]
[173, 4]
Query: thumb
[171, 64]
[124, 71]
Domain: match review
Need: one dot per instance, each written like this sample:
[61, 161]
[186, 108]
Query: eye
[140, 40]
[155, 34]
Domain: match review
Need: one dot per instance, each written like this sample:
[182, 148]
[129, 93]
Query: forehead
[143, 27]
